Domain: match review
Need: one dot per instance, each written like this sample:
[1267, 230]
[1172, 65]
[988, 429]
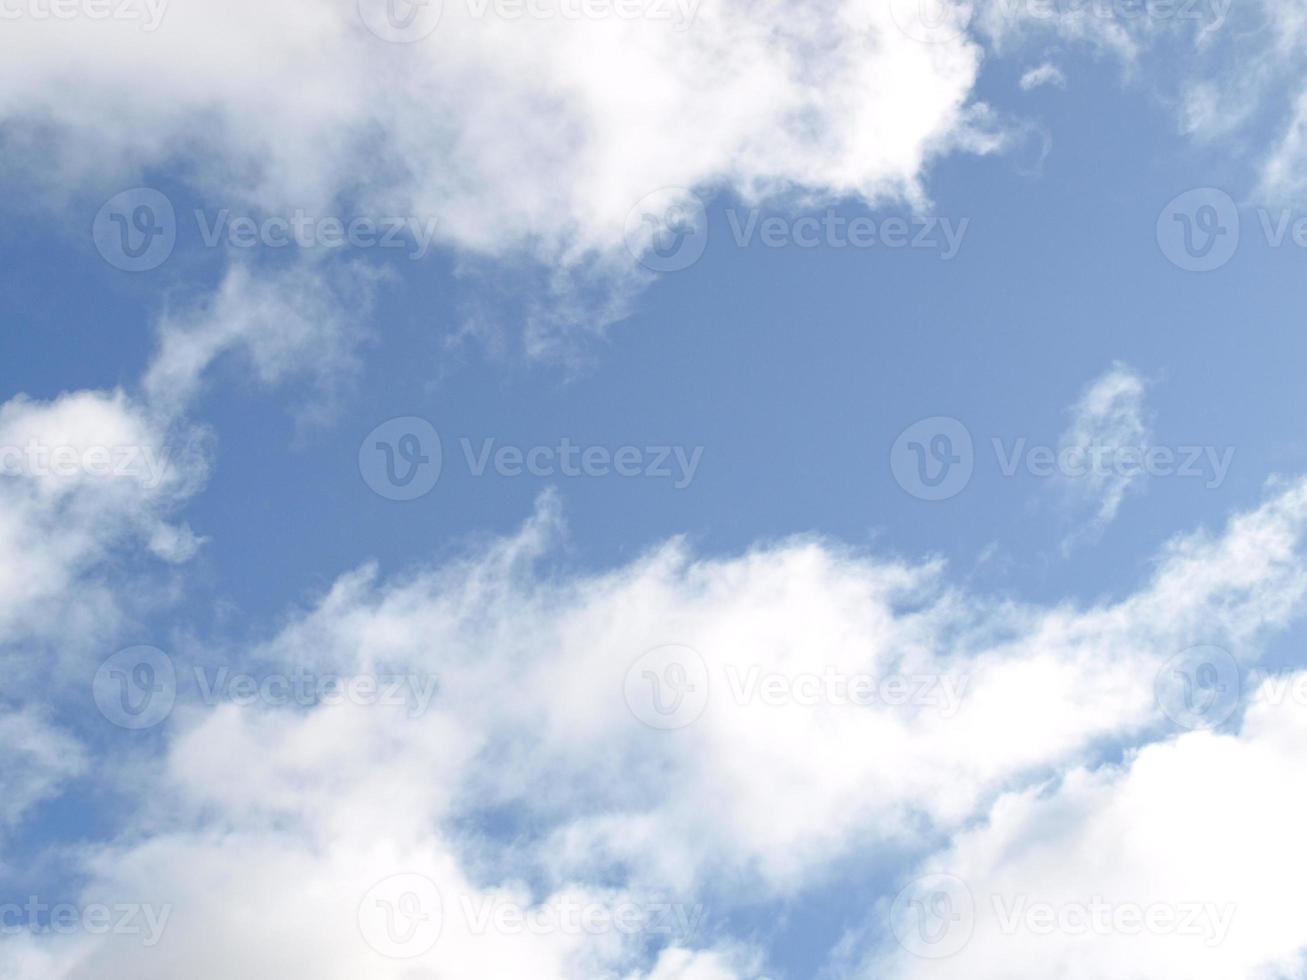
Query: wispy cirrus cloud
[1111, 433]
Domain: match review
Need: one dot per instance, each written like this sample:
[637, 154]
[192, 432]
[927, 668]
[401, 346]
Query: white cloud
[264, 830]
[529, 139]
[300, 321]
[1186, 861]
[268, 826]
[37, 760]
[1284, 173]
[84, 474]
[1045, 74]
[1108, 435]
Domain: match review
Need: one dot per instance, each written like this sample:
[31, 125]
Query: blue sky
[767, 525]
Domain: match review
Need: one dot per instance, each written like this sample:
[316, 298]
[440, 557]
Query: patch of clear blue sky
[794, 369]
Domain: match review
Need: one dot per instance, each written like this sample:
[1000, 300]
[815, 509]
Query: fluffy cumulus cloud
[564, 774]
[90, 481]
[81, 476]
[550, 140]
[525, 132]
[666, 742]
[89, 478]
[1181, 862]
